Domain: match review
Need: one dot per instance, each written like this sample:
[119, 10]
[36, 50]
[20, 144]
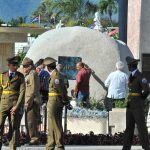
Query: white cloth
[11, 73]
[133, 72]
[116, 83]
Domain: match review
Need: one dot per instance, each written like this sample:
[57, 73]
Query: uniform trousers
[55, 130]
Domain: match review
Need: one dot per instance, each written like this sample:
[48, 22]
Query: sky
[14, 8]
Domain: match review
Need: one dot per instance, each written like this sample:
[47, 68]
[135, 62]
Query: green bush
[96, 104]
[71, 23]
[88, 22]
[120, 104]
[31, 25]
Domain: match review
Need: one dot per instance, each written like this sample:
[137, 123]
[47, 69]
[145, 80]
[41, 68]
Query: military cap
[131, 60]
[49, 61]
[39, 62]
[14, 60]
[27, 62]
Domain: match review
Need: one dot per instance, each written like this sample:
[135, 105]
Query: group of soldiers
[20, 92]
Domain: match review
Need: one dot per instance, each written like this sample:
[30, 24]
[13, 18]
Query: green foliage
[88, 22]
[16, 22]
[1, 21]
[52, 11]
[22, 55]
[71, 23]
[108, 7]
[46, 12]
[120, 104]
[34, 35]
[29, 25]
[106, 23]
[78, 10]
[74, 12]
[116, 36]
[96, 104]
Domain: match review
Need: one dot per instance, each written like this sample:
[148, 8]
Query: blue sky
[14, 8]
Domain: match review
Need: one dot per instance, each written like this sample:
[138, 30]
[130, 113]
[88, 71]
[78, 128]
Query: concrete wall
[145, 27]
[8, 37]
[77, 125]
[6, 50]
[134, 19]
[117, 119]
[139, 28]
[12, 37]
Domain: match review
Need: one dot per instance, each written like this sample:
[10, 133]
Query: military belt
[134, 94]
[7, 92]
[54, 94]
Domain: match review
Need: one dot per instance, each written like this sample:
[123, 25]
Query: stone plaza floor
[76, 148]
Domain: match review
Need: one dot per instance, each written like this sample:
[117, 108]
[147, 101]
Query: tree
[109, 7]
[75, 9]
[22, 55]
[52, 11]
[1, 21]
[45, 10]
[15, 22]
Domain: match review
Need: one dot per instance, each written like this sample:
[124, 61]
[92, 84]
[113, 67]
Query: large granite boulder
[97, 50]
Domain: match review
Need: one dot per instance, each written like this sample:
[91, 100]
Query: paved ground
[77, 148]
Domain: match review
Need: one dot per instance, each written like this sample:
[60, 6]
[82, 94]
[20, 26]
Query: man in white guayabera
[116, 83]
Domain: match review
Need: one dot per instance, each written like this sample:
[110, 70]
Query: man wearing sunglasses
[56, 101]
[12, 90]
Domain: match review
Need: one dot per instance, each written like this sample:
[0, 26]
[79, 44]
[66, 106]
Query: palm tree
[21, 20]
[45, 10]
[74, 9]
[109, 7]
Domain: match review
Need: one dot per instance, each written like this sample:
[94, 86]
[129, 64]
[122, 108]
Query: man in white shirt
[116, 83]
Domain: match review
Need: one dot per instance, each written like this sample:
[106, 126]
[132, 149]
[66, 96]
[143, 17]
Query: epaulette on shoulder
[54, 73]
[4, 72]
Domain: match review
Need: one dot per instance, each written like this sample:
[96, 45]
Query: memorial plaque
[69, 66]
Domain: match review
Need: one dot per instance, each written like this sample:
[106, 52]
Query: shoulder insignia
[144, 80]
[56, 81]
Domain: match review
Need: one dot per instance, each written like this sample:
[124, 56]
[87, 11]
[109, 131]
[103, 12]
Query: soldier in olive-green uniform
[56, 101]
[12, 89]
[32, 100]
[138, 92]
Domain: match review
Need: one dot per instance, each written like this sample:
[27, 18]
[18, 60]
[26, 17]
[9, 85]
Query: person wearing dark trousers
[138, 92]
[44, 77]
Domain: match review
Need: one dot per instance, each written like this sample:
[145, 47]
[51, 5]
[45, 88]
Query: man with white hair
[116, 83]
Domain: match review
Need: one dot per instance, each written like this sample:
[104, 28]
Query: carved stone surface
[97, 50]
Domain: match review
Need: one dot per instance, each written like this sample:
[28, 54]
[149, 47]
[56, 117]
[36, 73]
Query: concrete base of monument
[117, 120]
[85, 125]
[117, 123]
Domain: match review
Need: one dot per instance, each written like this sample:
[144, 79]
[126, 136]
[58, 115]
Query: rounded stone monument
[97, 50]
